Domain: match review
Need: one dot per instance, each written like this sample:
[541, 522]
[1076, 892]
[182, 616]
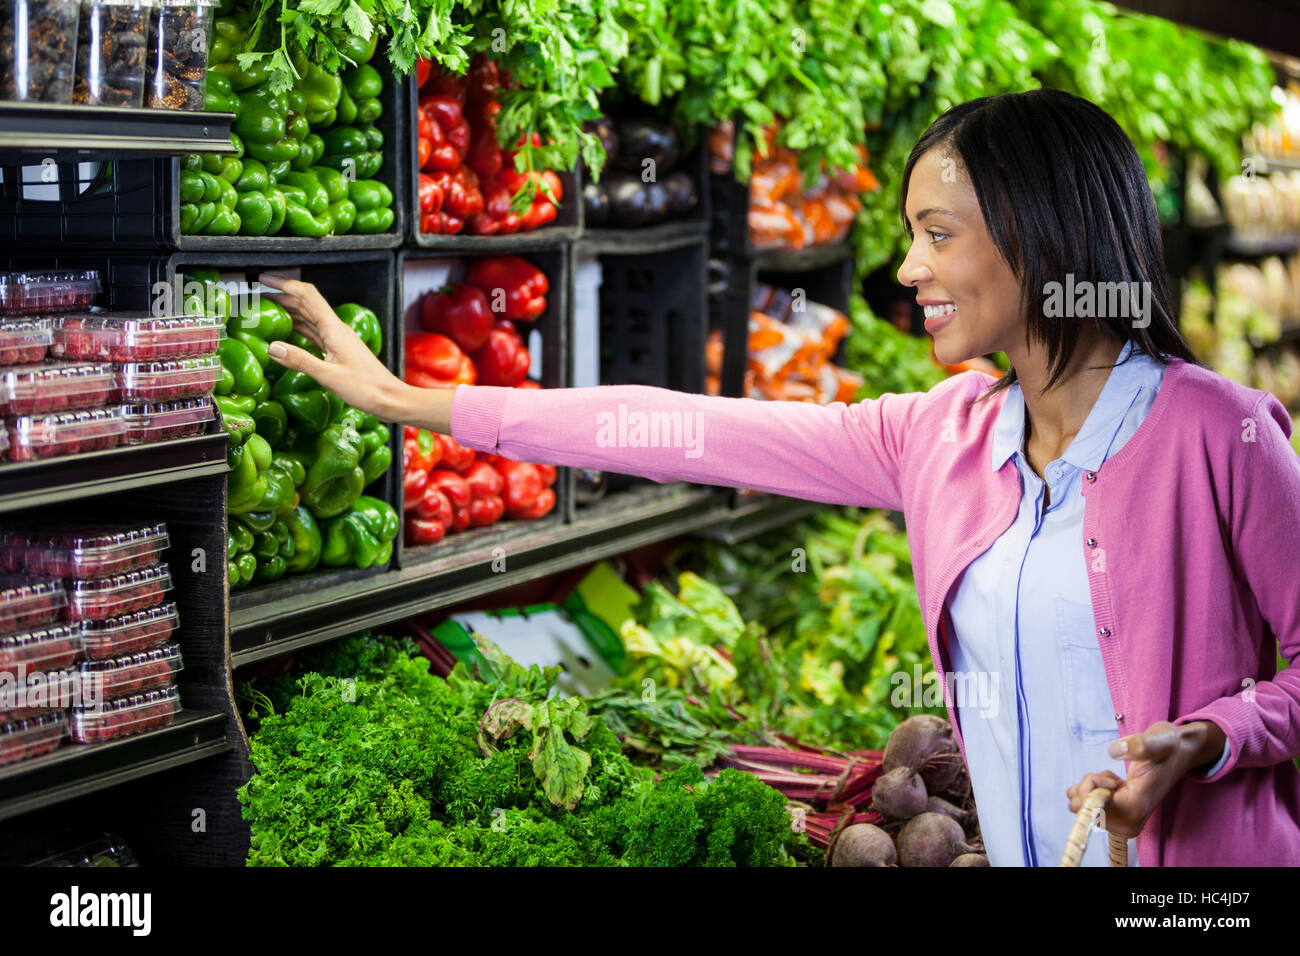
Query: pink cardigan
[1193, 527]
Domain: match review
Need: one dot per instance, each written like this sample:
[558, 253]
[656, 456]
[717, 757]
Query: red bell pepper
[458, 135]
[525, 286]
[423, 68]
[430, 193]
[503, 359]
[452, 484]
[484, 155]
[443, 110]
[463, 199]
[460, 312]
[414, 483]
[460, 518]
[435, 361]
[419, 531]
[529, 383]
[481, 224]
[456, 456]
[486, 510]
[539, 214]
[547, 472]
[523, 483]
[441, 82]
[484, 79]
[483, 480]
[542, 506]
[434, 506]
[421, 450]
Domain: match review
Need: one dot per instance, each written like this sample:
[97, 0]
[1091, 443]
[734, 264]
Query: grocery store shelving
[48, 128]
[75, 770]
[800, 260]
[53, 480]
[667, 235]
[754, 514]
[1246, 245]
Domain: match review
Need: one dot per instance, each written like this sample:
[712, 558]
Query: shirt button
[1104, 631]
[1090, 476]
[1091, 542]
[1119, 718]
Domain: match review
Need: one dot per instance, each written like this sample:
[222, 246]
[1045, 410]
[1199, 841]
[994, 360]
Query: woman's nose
[912, 270]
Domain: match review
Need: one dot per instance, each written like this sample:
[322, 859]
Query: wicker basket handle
[1093, 804]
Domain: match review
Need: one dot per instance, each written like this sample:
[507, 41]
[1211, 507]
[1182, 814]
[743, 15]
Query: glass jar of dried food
[111, 47]
[180, 32]
[38, 49]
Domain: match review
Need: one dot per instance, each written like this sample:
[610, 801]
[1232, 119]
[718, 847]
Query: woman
[1104, 536]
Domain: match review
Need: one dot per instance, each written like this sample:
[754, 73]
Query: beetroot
[925, 744]
[863, 844]
[940, 805]
[931, 839]
[970, 859]
[899, 794]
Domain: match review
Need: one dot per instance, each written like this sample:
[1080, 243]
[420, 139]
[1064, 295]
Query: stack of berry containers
[113, 589]
[50, 407]
[36, 649]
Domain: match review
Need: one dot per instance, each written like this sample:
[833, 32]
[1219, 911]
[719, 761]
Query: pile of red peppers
[470, 338]
[467, 181]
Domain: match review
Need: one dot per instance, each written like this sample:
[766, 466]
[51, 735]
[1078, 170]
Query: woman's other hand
[1157, 759]
[348, 368]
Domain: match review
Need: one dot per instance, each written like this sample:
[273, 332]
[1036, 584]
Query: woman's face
[972, 298]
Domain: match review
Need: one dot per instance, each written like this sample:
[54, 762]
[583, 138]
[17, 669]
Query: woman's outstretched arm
[838, 453]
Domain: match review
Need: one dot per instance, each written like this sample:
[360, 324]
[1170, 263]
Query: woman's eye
[937, 236]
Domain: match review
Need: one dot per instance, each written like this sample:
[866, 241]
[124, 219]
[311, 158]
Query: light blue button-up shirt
[1022, 613]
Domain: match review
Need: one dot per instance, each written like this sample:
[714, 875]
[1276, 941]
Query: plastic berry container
[123, 716]
[129, 633]
[49, 648]
[130, 673]
[165, 421]
[23, 340]
[66, 291]
[68, 433]
[97, 599]
[32, 736]
[26, 604]
[87, 551]
[54, 387]
[43, 692]
[124, 337]
[140, 383]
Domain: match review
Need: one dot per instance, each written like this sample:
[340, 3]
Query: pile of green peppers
[305, 158]
[299, 457]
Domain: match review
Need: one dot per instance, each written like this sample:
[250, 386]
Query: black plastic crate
[363, 277]
[135, 203]
[566, 225]
[551, 326]
[651, 326]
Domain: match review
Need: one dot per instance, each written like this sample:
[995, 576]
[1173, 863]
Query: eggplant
[642, 139]
[606, 133]
[681, 194]
[656, 202]
[629, 199]
[595, 203]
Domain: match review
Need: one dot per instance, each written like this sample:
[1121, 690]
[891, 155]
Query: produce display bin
[651, 325]
[552, 329]
[134, 203]
[568, 218]
[696, 223]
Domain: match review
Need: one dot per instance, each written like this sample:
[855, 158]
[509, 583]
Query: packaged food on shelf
[97, 599]
[84, 551]
[23, 340]
[167, 381]
[124, 716]
[54, 386]
[31, 737]
[49, 647]
[67, 433]
[180, 32]
[111, 44]
[166, 420]
[41, 693]
[27, 603]
[39, 293]
[130, 673]
[38, 43]
[129, 633]
[125, 337]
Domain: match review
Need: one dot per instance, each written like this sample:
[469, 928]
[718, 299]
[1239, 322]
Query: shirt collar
[1090, 447]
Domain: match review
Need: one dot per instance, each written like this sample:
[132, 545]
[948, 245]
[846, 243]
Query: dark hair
[1061, 189]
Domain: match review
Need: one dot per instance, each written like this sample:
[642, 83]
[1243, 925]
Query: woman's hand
[1158, 759]
[349, 369]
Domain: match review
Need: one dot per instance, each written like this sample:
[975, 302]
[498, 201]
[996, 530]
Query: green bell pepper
[335, 478]
[276, 170]
[369, 163]
[259, 121]
[234, 455]
[246, 566]
[332, 181]
[238, 143]
[373, 221]
[261, 316]
[228, 29]
[323, 88]
[263, 392]
[323, 120]
[258, 521]
[206, 210]
[254, 178]
[284, 538]
[236, 404]
[211, 186]
[369, 194]
[216, 102]
[190, 214]
[270, 569]
[218, 52]
[279, 496]
[191, 187]
[375, 136]
[257, 346]
[227, 197]
[241, 79]
[380, 516]
[356, 49]
[348, 541]
[271, 422]
[277, 151]
[231, 169]
[306, 540]
[225, 222]
[236, 356]
[260, 449]
[343, 213]
[344, 141]
[347, 109]
[369, 110]
[363, 82]
[255, 213]
[307, 406]
[278, 100]
[296, 99]
[225, 381]
[306, 344]
[241, 485]
[364, 322]
[192, 162]
[317, 200]
[310, 151]
[238, 426]
[239, 530]
[279, 208]
[302, 222]
[376, 463]
[292, 463]
[265, 545]
[296, 126]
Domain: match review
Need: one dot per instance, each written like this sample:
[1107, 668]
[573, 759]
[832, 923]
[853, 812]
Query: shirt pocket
[1088, 710]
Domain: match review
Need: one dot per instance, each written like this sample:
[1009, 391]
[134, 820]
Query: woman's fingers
[1158, 742]
[1091, 782]
[300, 360]
[309, 332]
